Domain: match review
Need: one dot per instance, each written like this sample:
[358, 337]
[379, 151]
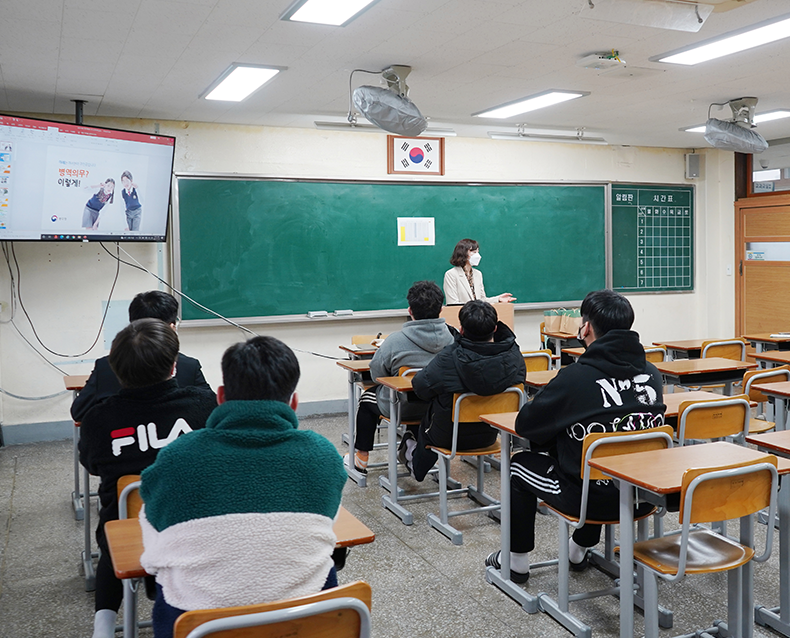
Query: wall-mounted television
[68, 182]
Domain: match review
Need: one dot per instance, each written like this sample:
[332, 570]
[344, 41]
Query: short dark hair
[154, 304]
[461, 252]
[478, 319]
[143, 353]
[607, 310]
[425, 300]
[261, 368]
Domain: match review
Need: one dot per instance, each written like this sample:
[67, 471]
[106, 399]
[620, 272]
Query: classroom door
[762, 256]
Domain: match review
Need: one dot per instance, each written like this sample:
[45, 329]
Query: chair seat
[756, 426]
[575, 518]
[483, 451]
[707, 552]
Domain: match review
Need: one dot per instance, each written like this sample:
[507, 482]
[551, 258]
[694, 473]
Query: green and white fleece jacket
[242, 512]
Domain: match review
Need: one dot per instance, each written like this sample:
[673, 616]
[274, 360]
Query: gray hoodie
[413, 346]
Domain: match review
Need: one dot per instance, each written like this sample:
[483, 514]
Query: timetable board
[652, 238]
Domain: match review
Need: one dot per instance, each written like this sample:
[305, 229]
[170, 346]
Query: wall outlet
[729, 270]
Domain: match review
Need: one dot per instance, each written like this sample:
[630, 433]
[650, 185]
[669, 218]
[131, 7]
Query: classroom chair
[727, 349]
[760, 423]
[467, 408]
[711, 494]
[340, 612]
[728, 417]
[537, 360]
[594, 445]
[656, 354]
[129, 504]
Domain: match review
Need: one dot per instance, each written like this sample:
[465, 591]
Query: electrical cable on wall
[183, 295]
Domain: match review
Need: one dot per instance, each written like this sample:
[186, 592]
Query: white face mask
[474, 259]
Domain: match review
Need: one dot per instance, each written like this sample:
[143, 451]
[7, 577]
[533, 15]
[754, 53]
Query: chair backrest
[728, 416]
[721, 495]
[656, 354]
[782, 373]
[468, 407]
[599, 444]
[727, 349]
[129, 500]
[536, 360]
[406, 371]
[357, 340]
[316, 621]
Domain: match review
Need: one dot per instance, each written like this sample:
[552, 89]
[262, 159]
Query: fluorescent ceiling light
[532, 103]
[240, 81]
[334, 13]
[576, 136]
[733, 42]
[770, 116]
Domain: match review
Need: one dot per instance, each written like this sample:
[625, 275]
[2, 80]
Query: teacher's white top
[457, 289]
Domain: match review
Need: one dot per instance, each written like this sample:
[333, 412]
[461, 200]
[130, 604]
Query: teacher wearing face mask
[464, 282]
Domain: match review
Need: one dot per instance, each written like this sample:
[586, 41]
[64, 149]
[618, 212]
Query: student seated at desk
[242, 512]
[484, 359]
[103, 383]
[413, 347]
[123, 434]
[610, 388]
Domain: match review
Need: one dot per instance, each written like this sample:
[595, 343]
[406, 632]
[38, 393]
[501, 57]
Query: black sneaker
[407, 436]
[580, 567]
[517, 577]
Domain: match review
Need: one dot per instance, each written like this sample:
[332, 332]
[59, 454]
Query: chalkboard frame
[175, 245]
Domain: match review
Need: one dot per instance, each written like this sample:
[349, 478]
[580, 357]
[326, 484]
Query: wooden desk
[778, 618]
[559, 340]
[504, 313]
[697, 372]
[538, 379]
[673, 400]
[357, 370]
[360, 351]
[125, 542]
[779, 393]
[398, 386]
[79, 501]
[683, 348]
[661, 472]
[763, 341]
[772, 358]
[575, 353]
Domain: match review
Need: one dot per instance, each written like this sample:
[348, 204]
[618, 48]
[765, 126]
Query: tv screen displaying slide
[69, 182]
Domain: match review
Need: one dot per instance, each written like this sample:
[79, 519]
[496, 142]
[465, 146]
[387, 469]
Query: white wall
[64, 285]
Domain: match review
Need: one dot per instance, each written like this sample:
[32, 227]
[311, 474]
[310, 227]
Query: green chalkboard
[652, 238]
[260, 247]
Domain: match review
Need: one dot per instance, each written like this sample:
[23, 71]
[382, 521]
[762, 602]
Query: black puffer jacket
[467, 366]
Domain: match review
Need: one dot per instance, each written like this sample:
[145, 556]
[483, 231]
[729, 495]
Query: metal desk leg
[390, 500]
[501, 577]
[627, 561]
[130, 587]
[778, 618]
[77, 498]
[358, 477]
[780, 409]
[87, 553]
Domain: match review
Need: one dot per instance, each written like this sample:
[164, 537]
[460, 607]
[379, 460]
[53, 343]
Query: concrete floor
[422, 584]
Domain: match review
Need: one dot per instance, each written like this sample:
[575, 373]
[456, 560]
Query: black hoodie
[610, 388]
[467, 366]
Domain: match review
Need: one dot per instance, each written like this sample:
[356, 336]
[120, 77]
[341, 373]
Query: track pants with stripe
[534, 476]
